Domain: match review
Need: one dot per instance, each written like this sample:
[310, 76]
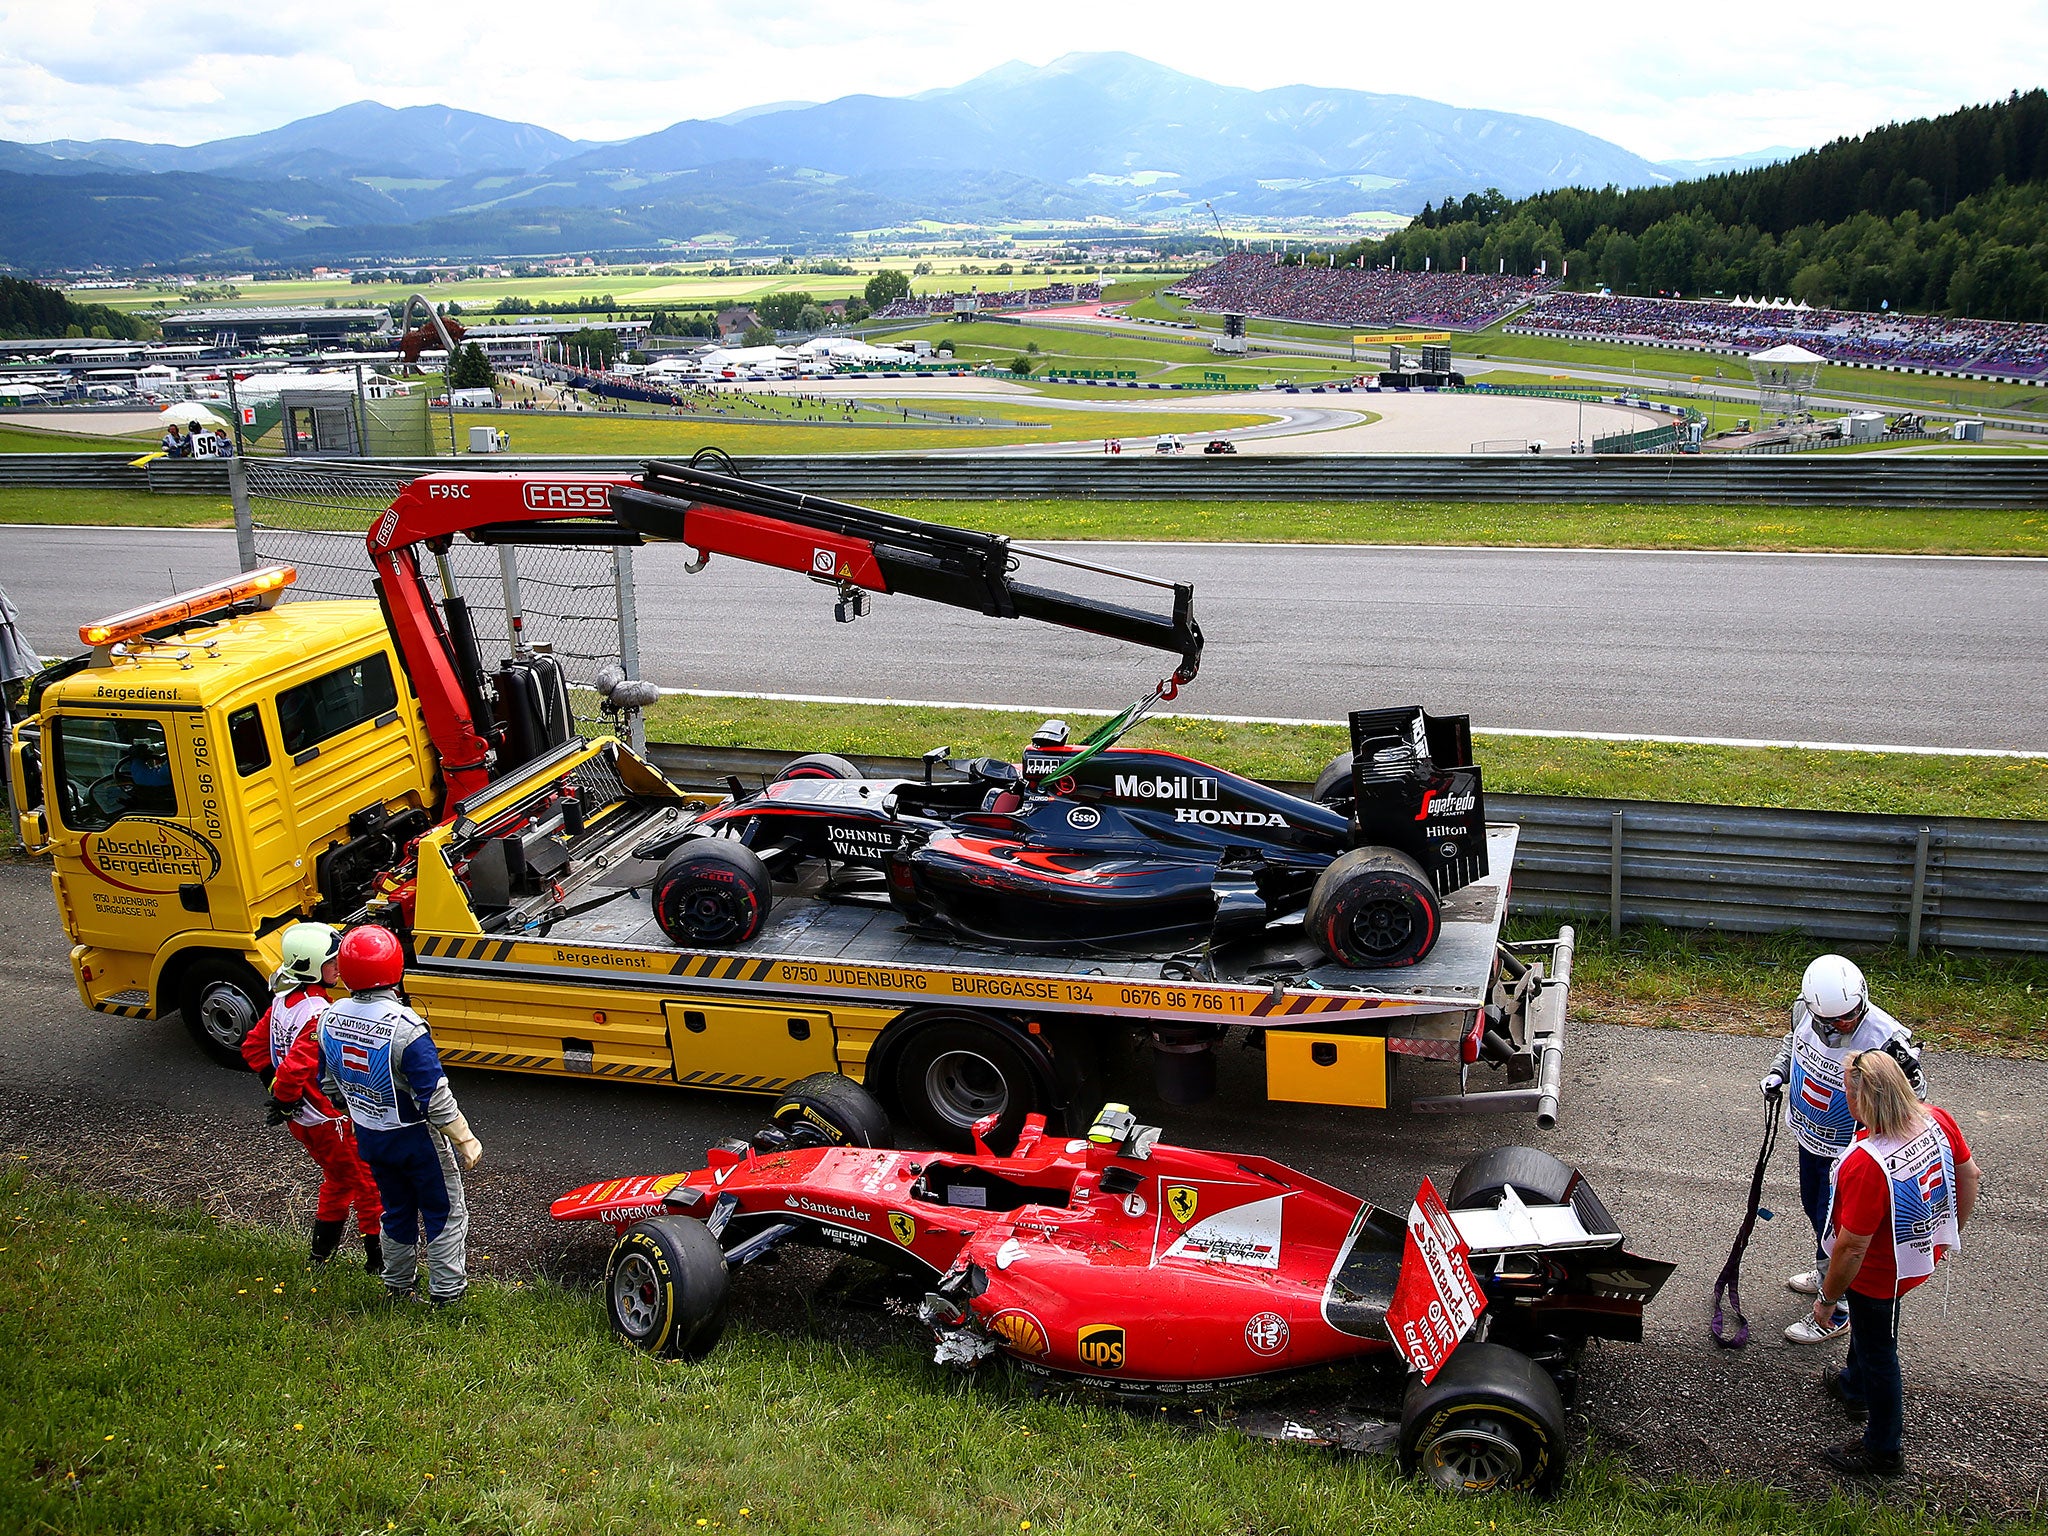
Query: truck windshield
[107, 767]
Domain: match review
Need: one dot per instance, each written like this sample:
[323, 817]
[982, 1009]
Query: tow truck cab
[193, 778]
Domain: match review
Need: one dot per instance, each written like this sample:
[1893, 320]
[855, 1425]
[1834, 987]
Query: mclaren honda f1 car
[1119, 1262]
[1094, 844]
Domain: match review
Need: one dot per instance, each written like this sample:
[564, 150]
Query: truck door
[133, 849]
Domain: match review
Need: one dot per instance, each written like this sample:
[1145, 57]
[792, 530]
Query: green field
[127, 509]
[1902, 783]
[635, 286]
[37, 440]
[168, 1373]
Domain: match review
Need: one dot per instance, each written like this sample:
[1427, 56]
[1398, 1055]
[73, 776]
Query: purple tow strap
[1728, 1284]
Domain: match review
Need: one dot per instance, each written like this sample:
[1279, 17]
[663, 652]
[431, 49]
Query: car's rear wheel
[1491, 1422]
[1374, 909]
[666, 1287]
[712, 893]
[221, 999]
[1334, 782]
[1537, 1176]
[826, 1109]
[818, 765]
[954, 1070]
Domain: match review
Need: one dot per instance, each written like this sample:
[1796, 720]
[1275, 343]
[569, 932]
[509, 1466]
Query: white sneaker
[1806, 1331]
[1806, 1283]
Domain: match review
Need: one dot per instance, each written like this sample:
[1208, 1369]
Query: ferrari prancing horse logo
[903, 1228]
[1181, 1200]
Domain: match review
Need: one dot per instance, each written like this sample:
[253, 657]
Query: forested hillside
[30, 309]
[1945, 214]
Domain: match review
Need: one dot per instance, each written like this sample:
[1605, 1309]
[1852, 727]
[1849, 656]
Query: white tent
[1786, 354]
[190, 413]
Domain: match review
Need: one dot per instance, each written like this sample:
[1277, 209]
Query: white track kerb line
[1477, 730]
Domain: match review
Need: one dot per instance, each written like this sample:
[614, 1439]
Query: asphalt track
[1664, 1123]
[1915, 651]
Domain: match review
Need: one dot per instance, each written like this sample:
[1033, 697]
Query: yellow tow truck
[216, 767]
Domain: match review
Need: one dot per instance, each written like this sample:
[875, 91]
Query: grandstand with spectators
[1051, 296]
[1251, 284]
[1994, 349]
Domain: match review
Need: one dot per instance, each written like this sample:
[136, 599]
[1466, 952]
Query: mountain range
[1091, 135]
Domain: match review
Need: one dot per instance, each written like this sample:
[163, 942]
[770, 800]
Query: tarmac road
[1861, 649]
[1665, 1124]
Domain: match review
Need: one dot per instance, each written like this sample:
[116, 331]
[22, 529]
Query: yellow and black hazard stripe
[737, 1080]
[517, 1061]
[722, 967]
[1311, 1002]
[437, 946]
[126, 1010]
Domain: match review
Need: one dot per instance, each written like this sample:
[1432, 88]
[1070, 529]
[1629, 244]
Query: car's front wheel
[221, 999]
[666, 1287]
[712, 893]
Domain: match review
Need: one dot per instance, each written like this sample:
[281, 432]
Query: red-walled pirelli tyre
[666, 1287]
[1374, 909]
[712, 892]
[1491, 1422]
[818, 765]
[826, 1109]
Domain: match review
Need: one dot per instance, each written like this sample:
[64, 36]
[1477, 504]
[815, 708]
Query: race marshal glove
[468, 1150]
[276, 1111]
[1772, 1085]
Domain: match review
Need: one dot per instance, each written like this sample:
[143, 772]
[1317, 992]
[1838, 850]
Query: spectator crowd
[2006, 348]
[1252, 284]
[1051, 296]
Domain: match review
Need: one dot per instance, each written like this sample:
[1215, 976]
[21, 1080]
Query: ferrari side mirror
[982, 1127]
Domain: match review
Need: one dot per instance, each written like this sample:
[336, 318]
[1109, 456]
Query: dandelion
[298, 1426]
[220, 1466]
[110, 1437]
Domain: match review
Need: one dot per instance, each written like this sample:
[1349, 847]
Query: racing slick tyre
[828, 1110]
[222, 999]
[712, 892]
[1334, 782]
[666, 1287]
[818, 765]
[1539, 1179]
[953, 1070]
[1373, 909]
[1491, 1422]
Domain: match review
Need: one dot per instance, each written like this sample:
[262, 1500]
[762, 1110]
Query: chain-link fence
[576, 600]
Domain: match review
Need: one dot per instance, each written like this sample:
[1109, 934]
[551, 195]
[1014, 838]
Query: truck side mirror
[34, 839]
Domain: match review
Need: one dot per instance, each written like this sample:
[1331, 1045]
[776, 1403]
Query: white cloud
[205, 69]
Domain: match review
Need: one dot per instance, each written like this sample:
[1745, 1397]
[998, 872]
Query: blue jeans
[1872, 1375]
[1815, 1174]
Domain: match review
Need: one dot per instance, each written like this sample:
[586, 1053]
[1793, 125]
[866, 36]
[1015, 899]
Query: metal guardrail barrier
[1947, 882]
[1861, 480]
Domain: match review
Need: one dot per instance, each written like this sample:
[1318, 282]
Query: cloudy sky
[1649, 77]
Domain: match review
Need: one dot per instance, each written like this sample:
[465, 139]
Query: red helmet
[371, 958]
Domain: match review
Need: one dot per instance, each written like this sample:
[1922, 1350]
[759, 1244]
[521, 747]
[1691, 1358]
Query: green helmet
[307, 949]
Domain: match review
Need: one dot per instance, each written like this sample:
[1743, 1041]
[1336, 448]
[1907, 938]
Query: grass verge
[36, 440]
[1552, 525]
[1736, 983]
[126, 509]
[1900, 783]
[1974, 531]
[168, 1374]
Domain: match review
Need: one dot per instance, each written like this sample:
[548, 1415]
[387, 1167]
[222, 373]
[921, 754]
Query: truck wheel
[1539, 1179]
[1491, 1422]
[222, 998]
[954, 1070]
[712, 892]
[818, 765]
[1373, 909]
[828, 1110]
[665, 1287]
[1334, 782]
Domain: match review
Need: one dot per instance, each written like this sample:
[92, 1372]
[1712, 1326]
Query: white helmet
[307, 949]
[1834, 992]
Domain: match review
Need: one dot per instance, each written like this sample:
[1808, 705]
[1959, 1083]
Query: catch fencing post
[629, 634]
[245, 521]
[1614, 875]
[1919, 901]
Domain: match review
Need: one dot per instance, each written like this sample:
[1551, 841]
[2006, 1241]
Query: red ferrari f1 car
[1126, 1264]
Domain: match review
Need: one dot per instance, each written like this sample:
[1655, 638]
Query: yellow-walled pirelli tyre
[828, 1110]
[1491, 1422]
[666, 1287]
